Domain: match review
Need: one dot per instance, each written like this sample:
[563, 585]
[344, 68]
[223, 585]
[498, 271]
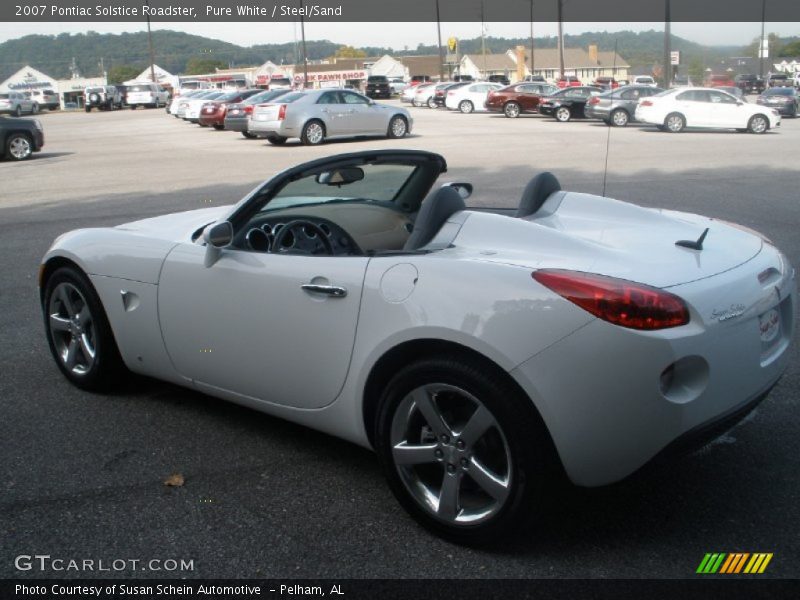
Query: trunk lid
[600, 235]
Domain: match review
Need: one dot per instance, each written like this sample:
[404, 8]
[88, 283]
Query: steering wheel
[304, 235]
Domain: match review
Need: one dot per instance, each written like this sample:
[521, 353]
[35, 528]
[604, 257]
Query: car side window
[631, 95]
[351, 98]
[692, 96]
[719, 98]
[329, 98]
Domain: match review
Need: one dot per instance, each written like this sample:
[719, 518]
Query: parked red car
[607, 83]
[519, 98]
[213, 112]
[720, 81]
[568, 81]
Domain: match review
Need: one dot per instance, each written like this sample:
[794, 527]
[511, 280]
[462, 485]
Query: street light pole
[560, 6]
[439, 33]
[150, 44]
[533, 61]
[305, 55]
[761, 41]
[667, 54]
[483, 41]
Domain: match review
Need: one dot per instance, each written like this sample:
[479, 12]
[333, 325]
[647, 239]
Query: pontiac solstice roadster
[481, 353]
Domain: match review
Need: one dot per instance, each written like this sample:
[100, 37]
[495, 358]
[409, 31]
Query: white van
[150, 95]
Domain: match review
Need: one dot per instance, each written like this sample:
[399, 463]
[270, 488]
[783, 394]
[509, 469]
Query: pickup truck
[20, 138]
[378, 87]
[749, 83]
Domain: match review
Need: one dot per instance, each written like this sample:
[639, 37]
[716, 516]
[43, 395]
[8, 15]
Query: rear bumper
[602, 393]
[211, 120]
[236, 124]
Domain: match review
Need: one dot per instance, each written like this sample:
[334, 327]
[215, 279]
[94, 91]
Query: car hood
[600, 235]
[176, 227]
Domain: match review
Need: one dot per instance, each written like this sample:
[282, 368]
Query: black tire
[758, 124]
[107, 368]
[34, 108]
[19, 146]
[219, 127]
[674, 123]
[619, 118]
[466, 106]
[398, 127]
[512, 110]
[431, 102]
[88, 109]
[248, 135]
[562, 114]
[313, 133]
[276, 140]
[18, 111]
[133, 107]
[517, 433]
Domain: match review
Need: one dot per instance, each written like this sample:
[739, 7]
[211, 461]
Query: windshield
[4, 96]
[380, 183]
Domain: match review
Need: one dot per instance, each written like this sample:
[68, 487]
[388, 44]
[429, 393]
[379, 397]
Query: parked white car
[149, 95]
[676, 109]
[481, 353]
[45, 98]
[644, 80]
[410, 91]
[471, 97]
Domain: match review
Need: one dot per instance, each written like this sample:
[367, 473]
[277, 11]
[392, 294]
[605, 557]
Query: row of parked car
[312, 116]
[672, 110]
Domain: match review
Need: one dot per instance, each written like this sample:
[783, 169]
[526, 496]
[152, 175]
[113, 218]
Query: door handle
[329, 290]
[325, 110]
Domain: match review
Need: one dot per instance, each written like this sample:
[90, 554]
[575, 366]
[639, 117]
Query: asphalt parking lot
[82, 474]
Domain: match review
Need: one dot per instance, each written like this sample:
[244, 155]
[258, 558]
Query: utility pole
[150, 45]
[483, 41]
[561, 38]
[441, 50]
[533, 61]
[305, 54]
[667, 54]
[761, 41]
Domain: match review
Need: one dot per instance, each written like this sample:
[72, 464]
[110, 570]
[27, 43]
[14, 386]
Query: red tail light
[282, 112]
[617, 301]
[646, 103]
[248, 109]
[594, 100]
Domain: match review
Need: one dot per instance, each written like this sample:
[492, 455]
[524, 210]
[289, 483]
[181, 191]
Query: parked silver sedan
[317, 115]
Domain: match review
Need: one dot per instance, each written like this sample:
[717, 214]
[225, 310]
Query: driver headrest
[436, 209]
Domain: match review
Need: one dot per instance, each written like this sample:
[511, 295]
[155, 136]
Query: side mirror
[464, 189]
[218, 234]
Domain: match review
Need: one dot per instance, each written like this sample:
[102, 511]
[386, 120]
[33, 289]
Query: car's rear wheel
[248, 135]
[466, 107]
[675, 123]
[78, 331]
[276, 140]
[463, 450]
[88, 109]
[398, 127]
[758, 124]
[34, 108]
[19, 146]
[563, 114]
[218, 127]
[511, 110]
[431, 102]
[18, 111]
[133, 107]
[620, 118]
[313, 133]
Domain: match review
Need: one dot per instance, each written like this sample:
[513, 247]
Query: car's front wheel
[562, 114]
[18, 111]
[466, 107]
[463, 450]
[313, 133]
[674, 123]
[431, 102]
[398, 127]
[78, 331]
[511, 110]
[19, 146]
[34, 108]
[758, 124]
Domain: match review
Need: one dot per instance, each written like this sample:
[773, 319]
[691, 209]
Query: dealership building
[68, 90]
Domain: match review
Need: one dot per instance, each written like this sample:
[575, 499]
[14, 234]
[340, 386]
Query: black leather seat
[536, 192]
[436, 209]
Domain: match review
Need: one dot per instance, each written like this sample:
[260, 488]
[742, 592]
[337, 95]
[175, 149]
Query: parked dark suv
[20, 138]
[378, 87]
[749, 83]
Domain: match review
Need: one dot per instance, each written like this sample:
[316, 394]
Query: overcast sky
[400, 35]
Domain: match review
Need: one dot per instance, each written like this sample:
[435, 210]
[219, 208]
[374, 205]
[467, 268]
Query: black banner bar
[730, 588]
[396, 11]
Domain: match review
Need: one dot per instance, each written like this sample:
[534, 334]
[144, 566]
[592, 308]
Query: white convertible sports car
[481, 353]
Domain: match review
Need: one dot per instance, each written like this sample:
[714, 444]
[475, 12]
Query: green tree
[120, 73]
[201, 65]
[349, 52]
[696, 71]
[790, 50]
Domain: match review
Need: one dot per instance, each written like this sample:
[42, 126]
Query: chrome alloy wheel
[398, 127]
[72, 328]
[758, 124]
[20, 147]
[451, 454]
[675, 123]
[315, 133]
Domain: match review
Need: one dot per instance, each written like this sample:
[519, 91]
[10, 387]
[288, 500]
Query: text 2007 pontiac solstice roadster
[478, 352]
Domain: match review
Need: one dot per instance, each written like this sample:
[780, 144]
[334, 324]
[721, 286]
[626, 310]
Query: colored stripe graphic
[711, 563]
[740, 563]
[734, 563]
